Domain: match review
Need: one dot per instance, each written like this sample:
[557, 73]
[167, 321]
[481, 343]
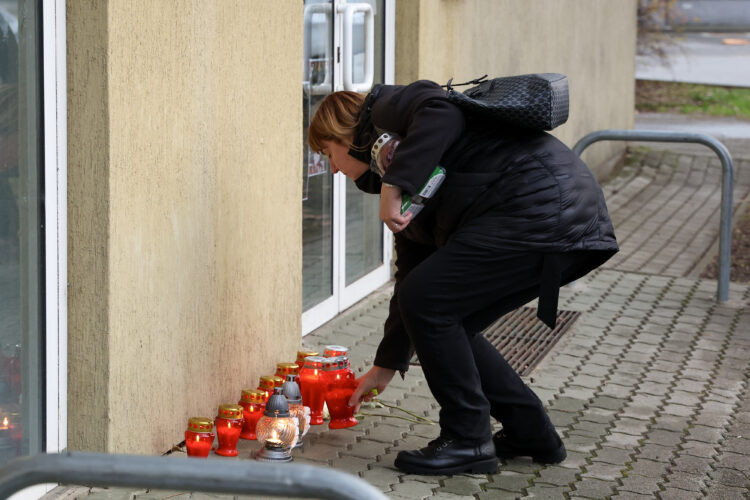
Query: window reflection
[317, 183]
[364, 231]
[20, 230]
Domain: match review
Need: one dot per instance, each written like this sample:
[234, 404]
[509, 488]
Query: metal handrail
[184, 474]
[727, 183]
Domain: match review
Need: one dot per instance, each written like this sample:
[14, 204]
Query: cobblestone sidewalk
[651, 392]
[665, 207]
[650, 389]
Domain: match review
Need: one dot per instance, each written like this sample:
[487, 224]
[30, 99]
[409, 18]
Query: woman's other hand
[376, 378]
[390, 208]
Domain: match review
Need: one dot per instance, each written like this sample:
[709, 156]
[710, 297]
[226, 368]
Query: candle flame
[274, 434]
[197, 438]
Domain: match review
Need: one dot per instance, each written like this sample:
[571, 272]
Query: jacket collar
[365, 133]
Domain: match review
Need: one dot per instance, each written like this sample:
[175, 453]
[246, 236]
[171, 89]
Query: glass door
[346, 252]
[21, 233]
[317, 182]
[33, 245]
[364, 232]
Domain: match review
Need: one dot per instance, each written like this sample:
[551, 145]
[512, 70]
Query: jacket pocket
[456, 201]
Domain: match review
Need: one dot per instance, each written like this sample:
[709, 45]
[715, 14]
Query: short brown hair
[335, 119]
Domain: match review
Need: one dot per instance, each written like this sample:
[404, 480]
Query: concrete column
[185, 127]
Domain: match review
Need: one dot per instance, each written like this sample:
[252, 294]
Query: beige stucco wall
[590, 41]
[88, 225]
[185, 146]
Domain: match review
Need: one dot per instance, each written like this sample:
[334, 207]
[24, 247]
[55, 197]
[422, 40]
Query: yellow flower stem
[423, 419]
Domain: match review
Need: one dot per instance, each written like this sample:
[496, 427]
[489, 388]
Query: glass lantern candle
[301, 355]
[284, 369]
[253, 403]
[332, 351]
[341, 383]
[277, 430]
[291, 391]
[312, 387]
[228, 425]
[199, 436]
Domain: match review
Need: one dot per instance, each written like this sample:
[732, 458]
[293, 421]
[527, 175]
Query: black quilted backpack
[535, 101]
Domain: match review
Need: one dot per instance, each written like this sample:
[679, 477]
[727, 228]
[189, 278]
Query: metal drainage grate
[523, 340]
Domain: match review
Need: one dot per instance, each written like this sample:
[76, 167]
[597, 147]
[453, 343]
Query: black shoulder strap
[365, 132]
[372, 96]
[475, 81]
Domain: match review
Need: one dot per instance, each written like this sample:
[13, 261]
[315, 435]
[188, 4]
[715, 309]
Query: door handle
[348, 46]
[326, 86]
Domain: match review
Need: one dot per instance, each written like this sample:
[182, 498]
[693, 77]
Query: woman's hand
[376, 378]
[390, 208]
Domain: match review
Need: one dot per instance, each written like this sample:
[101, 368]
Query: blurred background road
[702, 57]
[704, 41]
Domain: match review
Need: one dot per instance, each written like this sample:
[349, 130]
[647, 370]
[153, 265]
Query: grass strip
[691, 98]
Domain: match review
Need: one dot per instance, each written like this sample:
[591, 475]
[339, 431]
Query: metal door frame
[54, 170]
[345, 296]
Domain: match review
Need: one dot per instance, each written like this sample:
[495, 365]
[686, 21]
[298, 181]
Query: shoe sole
[486, 466]
[553, 457]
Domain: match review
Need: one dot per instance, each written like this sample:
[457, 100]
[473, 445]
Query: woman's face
[338, 155]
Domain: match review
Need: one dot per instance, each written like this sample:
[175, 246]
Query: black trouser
[445, 302]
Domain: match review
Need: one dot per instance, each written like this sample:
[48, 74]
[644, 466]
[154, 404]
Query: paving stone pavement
[665, 205]
[650, 388]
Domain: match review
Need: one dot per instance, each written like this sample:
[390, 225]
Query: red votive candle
[301, 355]
[341, 384]
[313, 388]
[278, 381]
[228, 427]
[199, 436]
[284, 369]
[252, 403]
[332, 351]
[266, 385]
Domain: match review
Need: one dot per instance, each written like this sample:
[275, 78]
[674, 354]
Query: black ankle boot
[445, 456]
[546, 451]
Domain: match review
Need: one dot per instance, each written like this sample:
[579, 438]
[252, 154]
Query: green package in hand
[414, 204]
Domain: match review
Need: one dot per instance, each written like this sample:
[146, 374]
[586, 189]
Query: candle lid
[301, 355]
[200, 424]
[335, 350]
[278, 381]
[277, 405]
[332, 364]
[287, 368]
[253, 396]
[344, 360]
[267, 382]
[230, 411]
[314, 362]
[291, 391]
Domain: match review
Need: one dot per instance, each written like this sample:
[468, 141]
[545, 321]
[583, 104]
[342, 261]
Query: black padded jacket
[506, 188]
